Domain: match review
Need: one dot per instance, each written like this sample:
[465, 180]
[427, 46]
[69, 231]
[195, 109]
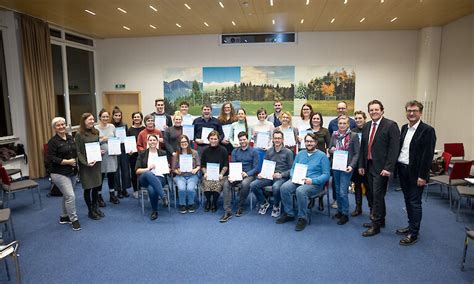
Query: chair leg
[17, 266]
[11, 227]
[39, 197]
[466, 243]
[459, 207]
[6, 268]
[328, 205]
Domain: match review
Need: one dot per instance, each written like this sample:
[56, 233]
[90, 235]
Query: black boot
[120, 194]
[215, 198]
[92, 214]
[101, 201]
[125, 193]
[207, 206]
[97, 211]
[113, 198]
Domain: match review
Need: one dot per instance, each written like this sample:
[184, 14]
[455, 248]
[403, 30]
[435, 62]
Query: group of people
[271, 158]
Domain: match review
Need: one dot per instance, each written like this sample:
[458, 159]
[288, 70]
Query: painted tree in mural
[196, 94]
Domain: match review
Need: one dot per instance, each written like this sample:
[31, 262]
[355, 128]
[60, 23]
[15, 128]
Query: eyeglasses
[309, 141]
[413, 110]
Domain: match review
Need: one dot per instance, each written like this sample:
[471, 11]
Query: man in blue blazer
[378, 157]
[417, 144]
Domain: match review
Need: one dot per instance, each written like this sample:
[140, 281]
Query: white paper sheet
[205, 132]
[130, 144]
[212, 171]
[268, 169]
[186, 163]
[339, 160]
[160, 162]
[301, 135]
[226, 129]
[263, 139]
[120, 133]
[114, 146]
[235, 171]
[299, 173]
[188, 130]
[160, 122]
[289, 137]
[188, 119]
[93, 152]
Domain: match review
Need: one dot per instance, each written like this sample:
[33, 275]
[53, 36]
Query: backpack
[437, 166]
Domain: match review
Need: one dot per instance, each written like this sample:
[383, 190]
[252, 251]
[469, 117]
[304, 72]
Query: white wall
[384, 62]
[12, 47]
[454, 120]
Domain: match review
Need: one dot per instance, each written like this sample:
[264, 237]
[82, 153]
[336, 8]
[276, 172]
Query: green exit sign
[119, 86]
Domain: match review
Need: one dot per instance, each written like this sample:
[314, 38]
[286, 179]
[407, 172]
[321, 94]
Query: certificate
[130, 144]
[263, 139]
[268, 169]
[120, 133]
[339, 160]
[226, 129]
[114, 146]
[205, 132]
[289, 137]
[212, 171]
[160, 163]
[188, 119]
[160, 122]
[93, 152]
[186, 163]
[301, 135]
[299, 173]
[235, 171]
[188, 130]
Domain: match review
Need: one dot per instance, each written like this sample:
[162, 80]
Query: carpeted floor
[126, 247]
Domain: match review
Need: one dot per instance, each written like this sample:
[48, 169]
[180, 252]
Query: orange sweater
[142, 140]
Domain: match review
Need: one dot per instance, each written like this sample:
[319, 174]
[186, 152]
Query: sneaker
[276, 212]
[301, 224]
[285, 218]
[64, 220]
[191, 208]
[76, 226]
[135, 194]
[239, 212]
[334, 204]
[182, 209]
[263, 208]
[225, 217]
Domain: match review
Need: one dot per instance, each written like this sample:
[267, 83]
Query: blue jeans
[302, 195]
[342, 181]
[186, 186]
[258, 188]
[154, 185]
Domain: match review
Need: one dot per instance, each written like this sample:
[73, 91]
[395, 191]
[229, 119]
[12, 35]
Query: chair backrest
[461, 170]
[447, 159]
[455, 149]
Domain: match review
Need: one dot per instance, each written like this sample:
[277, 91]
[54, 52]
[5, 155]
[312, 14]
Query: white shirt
[404, 157]
[377, 123]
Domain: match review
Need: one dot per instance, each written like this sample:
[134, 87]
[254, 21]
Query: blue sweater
[318, 166]
[249, 159]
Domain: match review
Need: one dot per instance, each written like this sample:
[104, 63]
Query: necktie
[371, 139]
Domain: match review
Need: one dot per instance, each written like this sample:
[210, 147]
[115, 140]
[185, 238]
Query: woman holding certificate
[186, 166]
[344, 148]
[61, 164]
[122, 178]
[226, 118]
[171, 135]
[238, 126]
[152, 165]
[316, 126]
[134, 130]
[262, 134]
[109, 162]
[290, 133]
[214, 165]
[306, 113]
[89, 164]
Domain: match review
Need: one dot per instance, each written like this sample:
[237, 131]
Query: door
[128, 102]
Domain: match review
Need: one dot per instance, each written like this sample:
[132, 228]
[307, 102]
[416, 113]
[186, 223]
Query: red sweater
[142, 140]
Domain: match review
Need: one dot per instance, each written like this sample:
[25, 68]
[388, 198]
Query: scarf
[342, 140]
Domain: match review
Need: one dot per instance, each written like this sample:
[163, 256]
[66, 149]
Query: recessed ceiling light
[153, 8]
[302, 21]
[206, 24]
[245, 4]
[307, 2]
[271, 2]
[333, 19]
[361, 20]
[381, 1]
[233, 23]
[127, 28]
[393, 20]
[122, 10]
[90, 12]
[220, 4]
[187, 6]
[178, 25]
[273, 21]
[153, 27]
[345, 2]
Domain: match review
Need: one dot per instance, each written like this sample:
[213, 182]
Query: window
[5, 116]
[73, 75]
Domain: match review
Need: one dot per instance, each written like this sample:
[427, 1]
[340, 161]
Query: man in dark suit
[378, 157]
[417, 143]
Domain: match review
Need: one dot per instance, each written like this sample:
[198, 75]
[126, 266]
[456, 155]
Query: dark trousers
[122, 177]
[412, 194]
[133, 162]
[378, 188]
[358, 182]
